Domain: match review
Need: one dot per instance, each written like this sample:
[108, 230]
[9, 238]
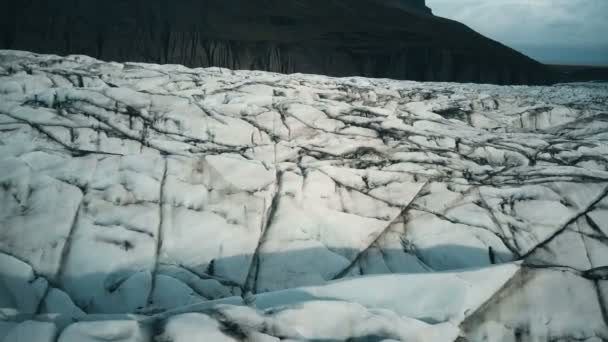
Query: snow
[119, 331]
[194, 326]
[161, 203]
[431, 297]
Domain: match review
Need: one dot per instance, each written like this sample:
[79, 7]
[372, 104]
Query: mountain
[150, 203]
[581, 73]
[398, 39]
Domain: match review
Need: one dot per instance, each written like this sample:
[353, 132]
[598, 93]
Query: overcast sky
[552, 31]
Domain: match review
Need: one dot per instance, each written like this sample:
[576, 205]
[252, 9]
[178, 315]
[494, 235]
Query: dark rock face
[409, 5]
[398, 39]
[582, 73]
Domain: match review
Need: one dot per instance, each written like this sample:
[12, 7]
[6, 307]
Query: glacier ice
[145, 202]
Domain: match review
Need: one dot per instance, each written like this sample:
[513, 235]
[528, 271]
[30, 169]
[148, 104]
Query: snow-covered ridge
[143, 202]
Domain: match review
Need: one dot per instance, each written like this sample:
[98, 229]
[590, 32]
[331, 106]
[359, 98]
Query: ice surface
[119, 331]
[145, 202]
[31, 331]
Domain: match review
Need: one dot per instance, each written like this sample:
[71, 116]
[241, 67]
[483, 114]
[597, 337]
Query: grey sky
[552, 31]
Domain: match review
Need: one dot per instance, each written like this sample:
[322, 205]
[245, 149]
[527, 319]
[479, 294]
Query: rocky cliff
[398, 39]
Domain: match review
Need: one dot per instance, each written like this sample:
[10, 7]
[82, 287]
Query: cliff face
[376, 38]
[408, 5]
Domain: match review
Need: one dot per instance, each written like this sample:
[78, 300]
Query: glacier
[144, 202]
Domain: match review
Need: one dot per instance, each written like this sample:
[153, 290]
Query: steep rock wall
[339, 38]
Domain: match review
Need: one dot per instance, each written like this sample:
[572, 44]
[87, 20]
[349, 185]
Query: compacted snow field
[145, 203]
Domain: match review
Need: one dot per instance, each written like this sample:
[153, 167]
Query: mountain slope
[375, 38]
[141, 202]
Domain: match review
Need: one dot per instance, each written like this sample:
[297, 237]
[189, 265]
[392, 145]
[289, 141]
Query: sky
[551, 31]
